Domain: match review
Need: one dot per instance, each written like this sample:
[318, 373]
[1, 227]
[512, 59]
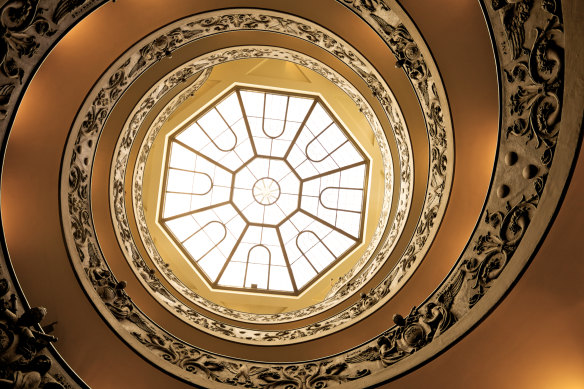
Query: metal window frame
[316, 99]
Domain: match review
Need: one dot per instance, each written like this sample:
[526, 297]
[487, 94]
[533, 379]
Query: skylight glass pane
[318, 119]
[233, 275]
[213, 125]
[353, 177]
[288, 203]
[256, 275]
[230, 109]
[240, 196]
[193, 137]
[275, 106]
[181, 158]
[273, 214]
[349, 222]
[273, 128]
[182, 227]
[212, 265]
[346, 155]
[280, 279]
[220, 194]
[253, 102]
[315, 151]
[310, 204]
[303, 272]
[259, 254]
[338, 243]
[226, 140]
[181, 181]
[298, 108]
[175, 204]
[277, 256]
[350, 199]
[332, 138]
[291, 129]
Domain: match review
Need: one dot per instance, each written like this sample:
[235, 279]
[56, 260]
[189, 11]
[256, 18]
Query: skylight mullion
[333, 171]
[300, 129]
[300, 194]
[288, 266]
[269, 265]
[248, 128]
[231, 256]
[182, 170]
[264, 117]
[285, 116]
[194, 211]
[186, 193]
[328, 225]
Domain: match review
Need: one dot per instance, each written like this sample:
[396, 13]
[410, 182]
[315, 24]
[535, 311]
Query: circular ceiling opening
[264, 191]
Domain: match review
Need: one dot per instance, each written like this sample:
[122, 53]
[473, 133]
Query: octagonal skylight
[264, 191]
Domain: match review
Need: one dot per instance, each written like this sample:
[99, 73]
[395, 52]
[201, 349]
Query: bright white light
[264, 194]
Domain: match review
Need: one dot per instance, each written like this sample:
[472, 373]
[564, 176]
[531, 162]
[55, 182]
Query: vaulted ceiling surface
[31, 174]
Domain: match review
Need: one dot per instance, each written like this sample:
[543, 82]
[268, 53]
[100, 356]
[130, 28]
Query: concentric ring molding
[567, 141]
[252, 52]
[439, 181]
[337, 322]
[89, 124]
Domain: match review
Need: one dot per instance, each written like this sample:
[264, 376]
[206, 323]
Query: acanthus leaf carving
[498, 245]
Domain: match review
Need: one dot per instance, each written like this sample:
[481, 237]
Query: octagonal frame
[317, 100]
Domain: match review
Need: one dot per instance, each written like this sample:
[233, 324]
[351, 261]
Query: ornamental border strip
[529, 123]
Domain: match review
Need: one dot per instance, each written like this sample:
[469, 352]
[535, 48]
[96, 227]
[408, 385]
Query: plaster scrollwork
[497, 238]
[28, 28]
